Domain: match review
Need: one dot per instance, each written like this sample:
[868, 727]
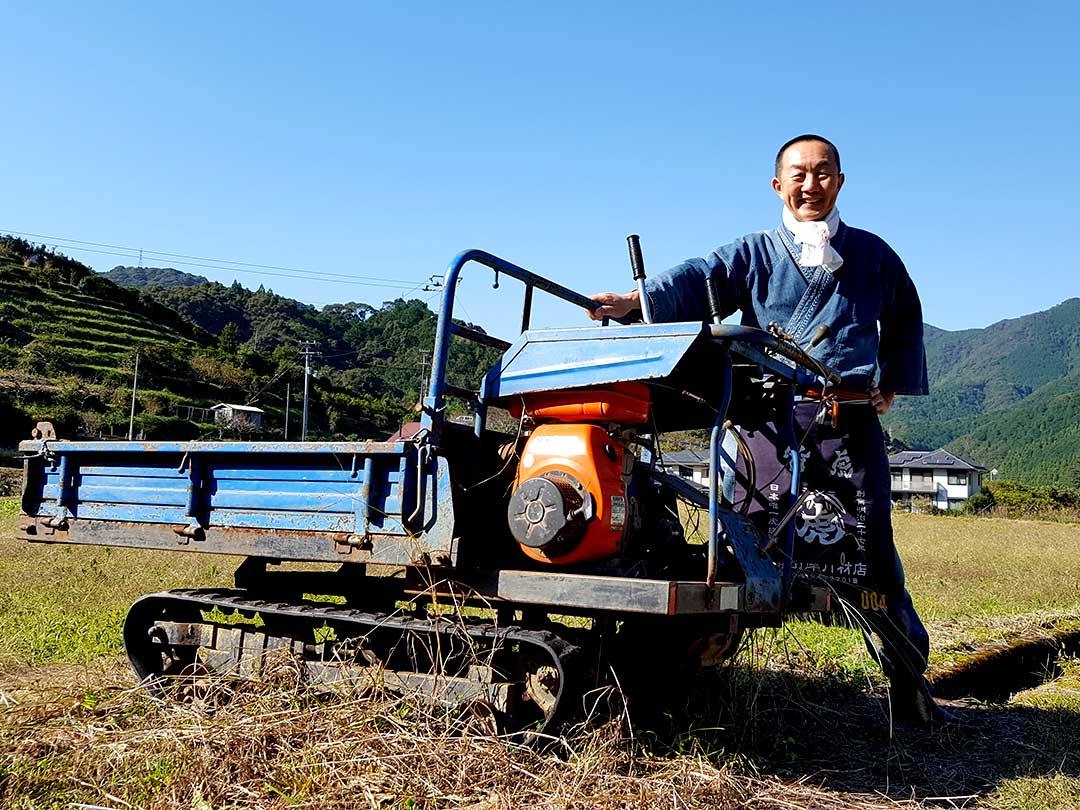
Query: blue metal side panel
[311, 487]
[292, 521]
[299, 498]
[150, 496]
[556, 359]
[379, 502]
[292, 449]
[131, 513]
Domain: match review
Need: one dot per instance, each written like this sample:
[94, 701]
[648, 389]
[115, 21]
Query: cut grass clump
[1059, 692]
[1057, 792]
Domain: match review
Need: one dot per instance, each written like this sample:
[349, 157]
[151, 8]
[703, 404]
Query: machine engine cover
[625, 403]
[570, 503]
[551, 512]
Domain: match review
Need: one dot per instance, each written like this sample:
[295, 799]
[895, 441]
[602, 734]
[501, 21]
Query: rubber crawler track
[145, 653]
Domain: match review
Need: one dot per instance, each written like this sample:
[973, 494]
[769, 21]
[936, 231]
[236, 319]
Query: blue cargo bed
[384, 502]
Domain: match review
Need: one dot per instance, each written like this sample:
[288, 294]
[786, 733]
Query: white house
[693, 465]
[941, 477]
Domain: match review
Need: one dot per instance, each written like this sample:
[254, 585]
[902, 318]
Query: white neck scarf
[814, 238]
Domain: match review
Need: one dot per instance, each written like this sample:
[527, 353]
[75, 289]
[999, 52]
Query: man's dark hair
[807, 137]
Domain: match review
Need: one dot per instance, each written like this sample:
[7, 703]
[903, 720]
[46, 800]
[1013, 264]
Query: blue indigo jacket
[759, 274]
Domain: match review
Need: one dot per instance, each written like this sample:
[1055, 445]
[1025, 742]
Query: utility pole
[308, 349]
[134, 388]
[286, 411]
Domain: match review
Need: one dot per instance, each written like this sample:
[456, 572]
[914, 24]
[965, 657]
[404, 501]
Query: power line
[274, 379]
[195, 258]
[221, 264]
[311, 277]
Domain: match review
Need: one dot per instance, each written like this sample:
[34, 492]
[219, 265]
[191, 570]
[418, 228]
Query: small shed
[238, 416]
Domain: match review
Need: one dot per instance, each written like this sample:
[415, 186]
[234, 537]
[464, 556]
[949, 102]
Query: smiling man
[815, 270]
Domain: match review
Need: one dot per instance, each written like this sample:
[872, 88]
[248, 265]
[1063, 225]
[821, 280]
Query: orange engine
[570, 502]
[624, 403]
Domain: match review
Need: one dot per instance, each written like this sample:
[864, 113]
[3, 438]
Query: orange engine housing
[626, 403]
[570, 503]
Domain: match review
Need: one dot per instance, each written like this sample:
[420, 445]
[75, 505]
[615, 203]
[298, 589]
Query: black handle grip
[636, 262]
[714, 299]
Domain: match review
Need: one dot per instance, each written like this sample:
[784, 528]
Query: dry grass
[798, 720]
[99, 742]
[85, 736]
[961, 567]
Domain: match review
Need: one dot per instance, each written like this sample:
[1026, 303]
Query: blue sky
[379, 140]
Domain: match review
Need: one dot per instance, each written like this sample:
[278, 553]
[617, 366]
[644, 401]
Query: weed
[1057, 792]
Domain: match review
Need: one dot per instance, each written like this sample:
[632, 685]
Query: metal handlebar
[750, 334]
[434, 403]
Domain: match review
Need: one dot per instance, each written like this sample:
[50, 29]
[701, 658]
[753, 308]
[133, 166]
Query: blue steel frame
[748, 342]
[435, 402]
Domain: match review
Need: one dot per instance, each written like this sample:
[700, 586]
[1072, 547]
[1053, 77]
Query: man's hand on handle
[881, 400]
[615, 305]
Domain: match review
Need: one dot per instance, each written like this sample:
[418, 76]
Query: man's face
[808, 181]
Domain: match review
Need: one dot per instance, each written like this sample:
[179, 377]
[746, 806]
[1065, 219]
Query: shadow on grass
[838, 736]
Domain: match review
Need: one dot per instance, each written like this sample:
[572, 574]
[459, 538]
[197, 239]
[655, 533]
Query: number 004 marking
[871, 600]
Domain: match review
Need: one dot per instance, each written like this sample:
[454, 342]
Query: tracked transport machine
[562, 544]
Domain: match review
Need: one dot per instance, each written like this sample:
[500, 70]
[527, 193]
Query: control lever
[823, 331]
[777, 331]
[637, 265]
[714, 299]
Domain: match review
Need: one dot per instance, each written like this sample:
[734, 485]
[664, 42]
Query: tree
[229, 339]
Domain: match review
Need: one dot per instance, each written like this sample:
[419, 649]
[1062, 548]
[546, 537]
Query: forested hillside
[1007, 396]
[139, 277]
[1037, 441]
[69, 338]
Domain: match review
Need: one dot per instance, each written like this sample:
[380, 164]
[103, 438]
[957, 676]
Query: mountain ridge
[988, 385]
[140, 277]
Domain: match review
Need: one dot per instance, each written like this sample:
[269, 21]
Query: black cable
[224, 264]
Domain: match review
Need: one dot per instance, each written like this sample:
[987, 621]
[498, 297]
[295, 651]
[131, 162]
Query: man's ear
[776, 187]
[839, 181]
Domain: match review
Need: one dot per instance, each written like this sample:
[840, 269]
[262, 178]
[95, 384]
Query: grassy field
[798, 719]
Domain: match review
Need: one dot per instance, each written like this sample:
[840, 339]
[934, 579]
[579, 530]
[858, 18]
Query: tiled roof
[686, 457]
[935, 459]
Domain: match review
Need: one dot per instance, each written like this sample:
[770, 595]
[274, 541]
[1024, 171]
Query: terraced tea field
[83, 334]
